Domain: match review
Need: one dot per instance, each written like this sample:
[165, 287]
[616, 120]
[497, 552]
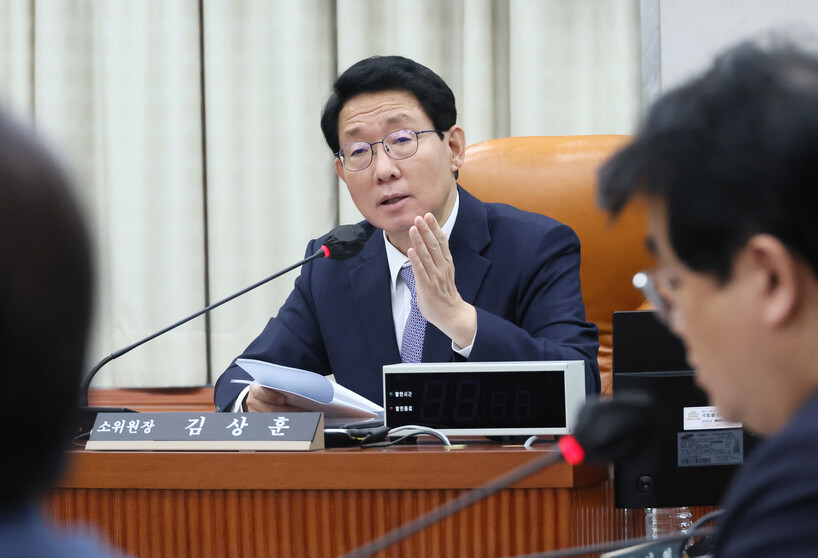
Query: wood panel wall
[325, 523]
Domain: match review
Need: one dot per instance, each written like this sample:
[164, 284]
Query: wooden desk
[178, 504]
[324, 503]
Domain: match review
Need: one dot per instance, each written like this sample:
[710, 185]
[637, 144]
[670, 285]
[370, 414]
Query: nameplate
[208, 431]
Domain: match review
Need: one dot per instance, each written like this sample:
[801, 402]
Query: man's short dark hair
[734, 153]
[386, 73]
[45, 305]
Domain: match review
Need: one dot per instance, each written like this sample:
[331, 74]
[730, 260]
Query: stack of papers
[313, 392]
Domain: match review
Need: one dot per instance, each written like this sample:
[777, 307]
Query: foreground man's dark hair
[733, 153]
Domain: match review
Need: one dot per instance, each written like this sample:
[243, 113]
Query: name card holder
[207, 432]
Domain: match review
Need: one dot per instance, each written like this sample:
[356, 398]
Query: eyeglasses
[653, 284]
[401, 144]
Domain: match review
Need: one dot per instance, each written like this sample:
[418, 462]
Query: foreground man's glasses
[652, 285]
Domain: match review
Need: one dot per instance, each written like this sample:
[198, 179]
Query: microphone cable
[618, 545]
[696, 530]
[407, 431]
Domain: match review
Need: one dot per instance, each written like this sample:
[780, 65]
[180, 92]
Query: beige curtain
[192, 129]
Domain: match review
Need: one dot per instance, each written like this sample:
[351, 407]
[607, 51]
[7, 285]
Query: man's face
[718, 324]
[390, 193]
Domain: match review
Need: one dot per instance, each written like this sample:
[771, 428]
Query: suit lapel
[372, 301]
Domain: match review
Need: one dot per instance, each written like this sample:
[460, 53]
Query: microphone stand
[453, 506]
[87, 415]
[604, 431]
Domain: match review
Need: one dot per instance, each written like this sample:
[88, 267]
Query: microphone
[341, 243]
[606, 429]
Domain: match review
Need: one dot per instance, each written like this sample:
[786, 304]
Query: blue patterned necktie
[411, 348]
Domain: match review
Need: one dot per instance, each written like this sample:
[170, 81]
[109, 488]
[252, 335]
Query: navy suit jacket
[519, 269]
[771, 507]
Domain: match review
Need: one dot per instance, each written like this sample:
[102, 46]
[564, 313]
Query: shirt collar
[397, 260]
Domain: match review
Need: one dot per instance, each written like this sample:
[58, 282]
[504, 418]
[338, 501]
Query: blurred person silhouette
[46, 280]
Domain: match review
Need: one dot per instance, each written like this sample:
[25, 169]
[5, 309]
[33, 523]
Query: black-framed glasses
[400, 144]
[653, 284]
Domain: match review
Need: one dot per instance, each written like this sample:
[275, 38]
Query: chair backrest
[556, 176]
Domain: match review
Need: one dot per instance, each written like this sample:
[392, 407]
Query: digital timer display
[473, 400]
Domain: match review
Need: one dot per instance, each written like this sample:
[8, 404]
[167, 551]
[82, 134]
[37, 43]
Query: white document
[313, 392]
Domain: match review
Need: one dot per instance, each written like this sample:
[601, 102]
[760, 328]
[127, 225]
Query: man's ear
[457, 146]
[339, 169]
[781, 281]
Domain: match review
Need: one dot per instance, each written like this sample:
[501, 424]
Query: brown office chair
[556, 176]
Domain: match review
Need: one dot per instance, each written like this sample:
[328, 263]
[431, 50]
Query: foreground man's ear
[780, 277]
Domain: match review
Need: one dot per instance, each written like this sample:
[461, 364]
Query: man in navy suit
[728, 167]
[391, 124]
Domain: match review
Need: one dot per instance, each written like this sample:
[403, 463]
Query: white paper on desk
[312, 391]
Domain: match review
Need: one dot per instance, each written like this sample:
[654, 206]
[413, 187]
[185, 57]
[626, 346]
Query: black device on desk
[692, 456]
[485, 398]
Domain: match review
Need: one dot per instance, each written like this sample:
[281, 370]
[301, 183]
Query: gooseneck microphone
[606, 430]
[341, 243]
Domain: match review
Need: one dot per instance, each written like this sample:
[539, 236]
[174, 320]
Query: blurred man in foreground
[728, 166]
[45, 307]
